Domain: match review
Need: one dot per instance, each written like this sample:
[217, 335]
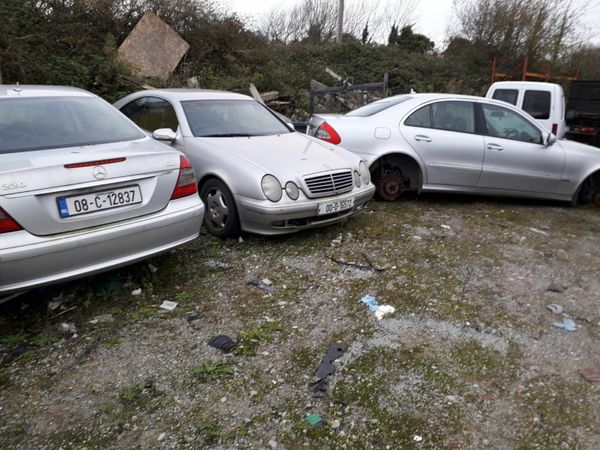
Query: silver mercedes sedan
[454, 143]
[83, 189]
[255, 172]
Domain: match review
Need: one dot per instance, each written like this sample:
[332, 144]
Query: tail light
[186, 182]
[7, 223]
[587, 130]
[555, 129]
[328, 134]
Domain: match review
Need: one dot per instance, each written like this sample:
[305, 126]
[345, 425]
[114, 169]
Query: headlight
[356, 179]
[292, 190]
[365, 175]
[271, 187]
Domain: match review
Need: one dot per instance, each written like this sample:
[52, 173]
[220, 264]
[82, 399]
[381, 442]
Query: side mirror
[165, 134]
[291, 125]
[549, 139]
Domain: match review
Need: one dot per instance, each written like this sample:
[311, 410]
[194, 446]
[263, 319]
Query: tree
[393, 37]
[365, 34]
[409, 40]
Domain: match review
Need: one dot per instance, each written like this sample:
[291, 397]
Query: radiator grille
[329, 184]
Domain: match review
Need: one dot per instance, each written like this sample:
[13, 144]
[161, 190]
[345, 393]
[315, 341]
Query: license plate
[335, 206]
[98, 201]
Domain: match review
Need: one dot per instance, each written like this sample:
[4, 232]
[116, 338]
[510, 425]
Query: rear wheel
[390, 187]
[221, 217]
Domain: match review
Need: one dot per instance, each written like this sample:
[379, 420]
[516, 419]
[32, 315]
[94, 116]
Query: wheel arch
[410, 165]
[592, 176]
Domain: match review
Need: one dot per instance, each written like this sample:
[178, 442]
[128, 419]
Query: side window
[506, 95]
[506, 124]
[151, 113]
[453, 116]
[420, 118]
[537, 103]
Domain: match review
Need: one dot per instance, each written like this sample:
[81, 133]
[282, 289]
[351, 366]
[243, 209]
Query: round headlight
[356, 179]
[365, 175]
[292, 190]
[271, 187]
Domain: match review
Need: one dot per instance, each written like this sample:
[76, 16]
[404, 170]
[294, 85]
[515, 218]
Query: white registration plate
[98, 201]
[335, 206]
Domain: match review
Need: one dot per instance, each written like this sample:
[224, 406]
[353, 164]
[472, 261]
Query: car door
[443, 134]
[515, 156]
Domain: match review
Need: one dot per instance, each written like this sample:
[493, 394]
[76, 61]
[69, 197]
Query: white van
[545, 102]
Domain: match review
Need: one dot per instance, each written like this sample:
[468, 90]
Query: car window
[52, 122]
[504, 123]
[537, 103]
[378, 106]
[506, 95]
[151, 113]
[230, 118]
[420, 118]
[453, 116]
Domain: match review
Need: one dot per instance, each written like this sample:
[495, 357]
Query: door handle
[496, 147]
[422, 138]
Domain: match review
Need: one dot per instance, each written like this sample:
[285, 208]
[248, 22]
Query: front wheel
[221, 217]
[590, 192]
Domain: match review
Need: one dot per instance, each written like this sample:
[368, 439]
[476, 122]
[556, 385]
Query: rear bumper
[28, 261]
[264, 217]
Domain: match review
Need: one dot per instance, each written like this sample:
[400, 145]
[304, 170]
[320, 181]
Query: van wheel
[221, 217]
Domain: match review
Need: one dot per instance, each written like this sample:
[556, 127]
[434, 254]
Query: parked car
[545, 102]
[255, 173]
[83, 189]
[454, 143]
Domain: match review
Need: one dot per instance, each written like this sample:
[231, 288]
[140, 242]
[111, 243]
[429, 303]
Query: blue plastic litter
[371, 302]
[567, 324]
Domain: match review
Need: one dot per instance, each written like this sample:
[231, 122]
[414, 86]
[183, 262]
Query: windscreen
[28, 124]
[231, 118]
[376, 107]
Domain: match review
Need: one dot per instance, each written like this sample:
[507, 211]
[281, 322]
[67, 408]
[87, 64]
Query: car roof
[195, 94]
[30, 90]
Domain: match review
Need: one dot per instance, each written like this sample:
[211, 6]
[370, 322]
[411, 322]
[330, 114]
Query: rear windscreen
[506, 95]
[537, 103]
[52, 122]
[376, 107]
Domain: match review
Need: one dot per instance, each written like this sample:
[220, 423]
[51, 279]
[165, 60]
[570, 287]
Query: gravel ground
[470, 358]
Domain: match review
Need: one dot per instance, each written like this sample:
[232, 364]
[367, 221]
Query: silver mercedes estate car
[83, 189]
[255, 172]
[455, 143]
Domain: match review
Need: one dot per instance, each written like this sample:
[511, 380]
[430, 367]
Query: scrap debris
[369, 266]
[591, 374]
[326, 368]
[314, 420]
[264, 284]
[380, 310]
[567, 324]
[222, 342]
[168, 305]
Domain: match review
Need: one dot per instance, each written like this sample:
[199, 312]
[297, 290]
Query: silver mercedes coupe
[83, 189]
[255, 172]
[454, 143]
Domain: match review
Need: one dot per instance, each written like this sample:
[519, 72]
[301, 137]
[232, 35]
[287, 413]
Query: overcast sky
[432, 17]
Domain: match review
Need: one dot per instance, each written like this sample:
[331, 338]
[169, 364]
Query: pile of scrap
[344, 98]
[153, 48]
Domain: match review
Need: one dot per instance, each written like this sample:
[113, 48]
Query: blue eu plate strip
[63, 208]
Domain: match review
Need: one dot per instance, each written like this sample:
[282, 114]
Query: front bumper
[264, 217]
[28, 261]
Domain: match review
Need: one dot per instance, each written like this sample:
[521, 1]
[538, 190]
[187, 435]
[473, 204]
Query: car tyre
[221, 216]
[390, 188]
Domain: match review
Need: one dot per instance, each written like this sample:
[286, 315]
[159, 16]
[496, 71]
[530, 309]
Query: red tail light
[186, 183]
[555, 129]
[328, 134]
[7, 223]
[589, 130]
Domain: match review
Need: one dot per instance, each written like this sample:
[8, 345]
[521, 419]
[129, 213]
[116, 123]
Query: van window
[506, 95]
[537, 103]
